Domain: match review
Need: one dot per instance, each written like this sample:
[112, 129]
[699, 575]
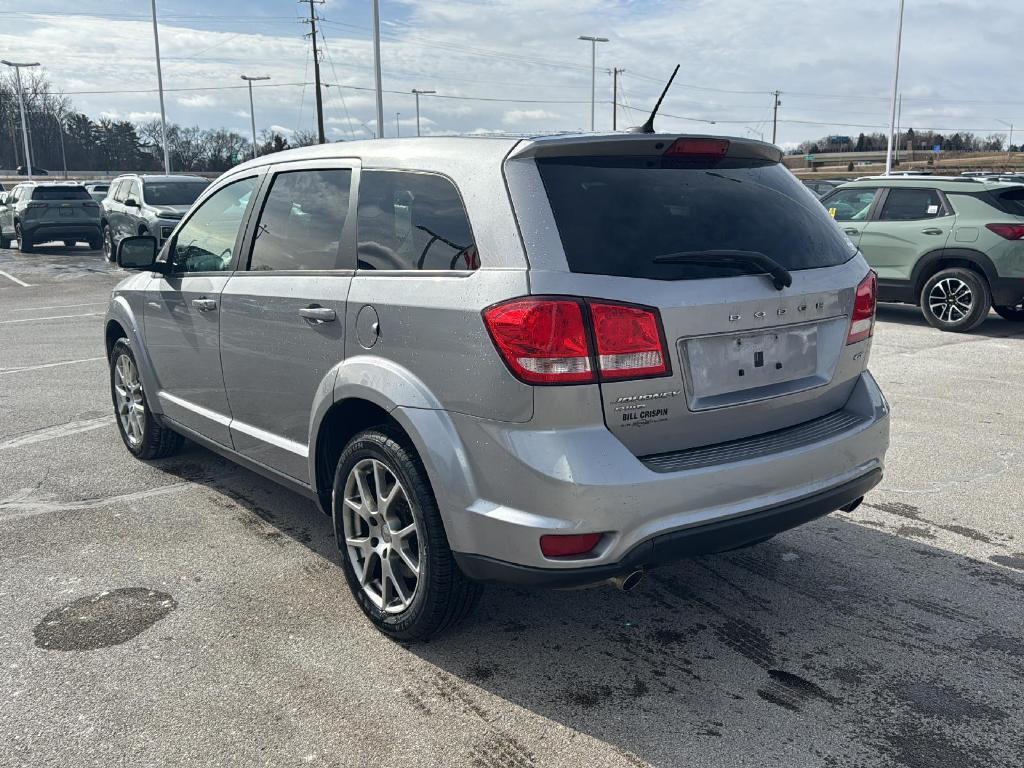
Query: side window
[850, 204]
[911, 204]
[301, 222]
[206, 242]
[413, 221]
[119, 190]
[134, 191]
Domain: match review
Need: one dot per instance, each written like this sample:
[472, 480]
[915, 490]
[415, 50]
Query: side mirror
[137, 252]
[131, 202]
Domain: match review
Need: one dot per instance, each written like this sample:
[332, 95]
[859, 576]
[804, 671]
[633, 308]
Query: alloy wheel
[951, 300]
[131, 407]
[108, 244]
[381, 535]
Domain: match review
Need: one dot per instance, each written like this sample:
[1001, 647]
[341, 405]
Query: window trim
[348, 232]
[421, 272]
[873, 208]
[876, 213]
[259, 174]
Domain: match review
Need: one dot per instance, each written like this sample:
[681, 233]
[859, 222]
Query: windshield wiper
[781, 277]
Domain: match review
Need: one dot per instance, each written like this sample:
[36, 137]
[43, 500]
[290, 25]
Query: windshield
[172, 192]
[615, 215]
[60, 193]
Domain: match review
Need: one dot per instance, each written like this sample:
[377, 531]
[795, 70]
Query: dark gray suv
[146, 205]
[551, 361]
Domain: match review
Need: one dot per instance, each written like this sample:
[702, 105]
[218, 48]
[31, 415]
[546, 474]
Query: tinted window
[615, 215]
[850, 204]
[60, 193]
[413, 221]
[911, 204]
[205, 243]
[300, 226]
[173, 192]
[1010, 201]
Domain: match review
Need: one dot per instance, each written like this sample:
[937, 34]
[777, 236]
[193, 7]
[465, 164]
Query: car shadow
[905, 314]
[838, 643]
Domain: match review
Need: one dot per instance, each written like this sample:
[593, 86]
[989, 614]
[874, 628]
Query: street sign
[809, 158]
[937, 148]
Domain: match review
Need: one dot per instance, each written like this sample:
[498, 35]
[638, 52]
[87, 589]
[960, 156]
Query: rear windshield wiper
[781, 277]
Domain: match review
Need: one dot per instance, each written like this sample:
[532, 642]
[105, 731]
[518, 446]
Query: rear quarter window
[615, 215]
[1009, 201]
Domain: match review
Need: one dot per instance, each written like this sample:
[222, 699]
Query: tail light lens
[1009, 231]
[569, 544]
[557, 340]
[862, 323]
[698, 148]
[91, 204]
[629, 343]
[38, 205]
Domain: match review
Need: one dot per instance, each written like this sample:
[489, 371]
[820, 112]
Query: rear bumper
[43, 232]
[1007, 291]
[717, 536]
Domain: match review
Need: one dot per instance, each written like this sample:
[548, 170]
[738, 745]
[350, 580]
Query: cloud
[197, 100]
[532, 116]
[282, 130]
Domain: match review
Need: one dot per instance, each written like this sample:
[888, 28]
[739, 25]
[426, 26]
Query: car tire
[23, 245]
[5, 240]
[403, 603]
[1014, 314]
[107, 236]
[956, 300]
[95, 243]
[143, 436]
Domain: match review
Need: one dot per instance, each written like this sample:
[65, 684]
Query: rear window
[615, 215]
[1010, 201]
[60, 193]
[173, 192]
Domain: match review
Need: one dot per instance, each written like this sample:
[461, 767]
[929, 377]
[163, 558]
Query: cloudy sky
[516, 65]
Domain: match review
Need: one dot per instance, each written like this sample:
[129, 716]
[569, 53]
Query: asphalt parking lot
[189, 612]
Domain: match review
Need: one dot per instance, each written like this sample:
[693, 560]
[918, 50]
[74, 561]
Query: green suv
[953, 246]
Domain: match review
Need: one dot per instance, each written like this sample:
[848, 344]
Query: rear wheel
[143, 435]
[108, 243]
[23, 245]
[956, 300]
[1014, 313]
[395, 552]
[5, 240]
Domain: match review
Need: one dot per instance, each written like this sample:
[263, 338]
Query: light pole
[1009, 139]
[21, 106]
[593, 72]
[398, 130]
[895, 90]
[376, 69]
[419, 92]
[60, 133]
[160, 87]
[252, 110]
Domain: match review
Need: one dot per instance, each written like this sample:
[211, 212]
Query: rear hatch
[62, 204]
[679, 225]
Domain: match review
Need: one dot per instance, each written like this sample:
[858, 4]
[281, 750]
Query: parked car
[36, 212]
[97, 189]
[549, 361]
[952, 245]
[146, 205]
[21, 170]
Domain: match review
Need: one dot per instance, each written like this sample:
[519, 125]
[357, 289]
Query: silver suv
[551, 361]
[146, 205]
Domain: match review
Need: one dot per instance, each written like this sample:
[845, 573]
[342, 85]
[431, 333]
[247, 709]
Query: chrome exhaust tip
[627, 582]
[852, 505]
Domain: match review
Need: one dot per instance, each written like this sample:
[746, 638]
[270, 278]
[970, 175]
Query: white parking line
[58, 431]
[21, 368]
[12, 277]
[53, 317]
[62, 306]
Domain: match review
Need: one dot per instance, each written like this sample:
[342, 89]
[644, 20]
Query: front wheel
[143, 436]
[1014, 313]
[395, 552]
[956, 300]
[108, 243]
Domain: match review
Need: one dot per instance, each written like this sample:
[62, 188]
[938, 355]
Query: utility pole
[60, 132]
[252, 110]
[895, 89]
[160, 87]
[419, 92]
[316, 69]
[398, 130]
[376, 69]
[593, 72]
[896, 141]
[21, 106]
[775, 113]
[615, 97]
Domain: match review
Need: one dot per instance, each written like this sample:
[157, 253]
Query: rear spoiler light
[638, 145]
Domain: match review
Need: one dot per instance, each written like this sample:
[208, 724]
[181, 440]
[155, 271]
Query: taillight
[1009, 231]
[698, 148]
[629, 343]
[543, 341]
[862, 323]
[38, 205]
[91, 204]
[565, 545]
[559, 340]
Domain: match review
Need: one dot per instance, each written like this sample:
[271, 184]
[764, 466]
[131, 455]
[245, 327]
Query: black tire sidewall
[979, 309]
[106, 236]
[19, 234]
[384, 447]
[1013, 314]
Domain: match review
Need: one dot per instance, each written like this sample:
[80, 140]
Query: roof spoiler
[633, 144]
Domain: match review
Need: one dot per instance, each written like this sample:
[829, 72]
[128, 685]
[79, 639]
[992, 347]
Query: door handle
[852, 231]
[931, 231]
[316, 314]
[204, 304]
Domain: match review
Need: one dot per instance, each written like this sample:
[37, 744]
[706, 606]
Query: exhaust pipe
[627, 582]
[852, 505]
